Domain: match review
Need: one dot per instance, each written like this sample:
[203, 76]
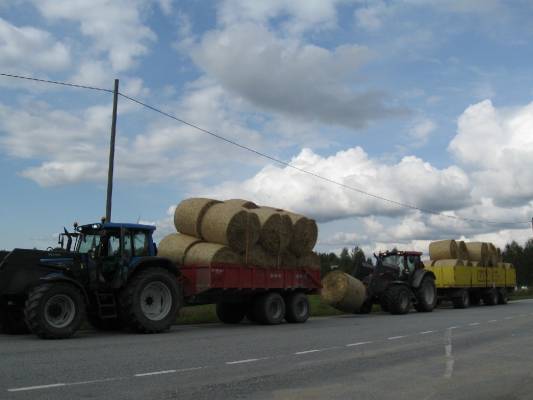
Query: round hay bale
[272, 230]
[493, 258]
[310, 260]
[304, 234]
[175, 246]
[343, 292]
[208, 254]
[189, 213]
[443, 250]
[477, 251]
[249, 205]
[259, 257]
[449, 263]
[462, 251]
[285, 231]
[288, 260]
[230, 225]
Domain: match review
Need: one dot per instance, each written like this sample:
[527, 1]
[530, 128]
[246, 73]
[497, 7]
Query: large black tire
[475, 298]
[426, 295]
[55, 310]
[461, 300]
[150, 302]
[490, 297]
[105, 324]
[398, 299]
[231, 313]
[366, 308]
[12, 320]
[297, 308]
[503, 297]
[269, 308]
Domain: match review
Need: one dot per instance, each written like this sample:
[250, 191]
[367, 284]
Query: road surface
[478, 353]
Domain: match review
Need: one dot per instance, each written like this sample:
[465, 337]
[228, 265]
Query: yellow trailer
[466, 283]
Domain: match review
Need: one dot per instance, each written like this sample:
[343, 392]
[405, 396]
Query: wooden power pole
[111, 155]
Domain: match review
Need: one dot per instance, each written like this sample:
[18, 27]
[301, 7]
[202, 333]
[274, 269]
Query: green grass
[522, 294]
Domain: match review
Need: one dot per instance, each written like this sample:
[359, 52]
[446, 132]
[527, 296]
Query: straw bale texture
[175, 246]
[343, 291]
[443, 250]
[259, 257]
[207, 254]
[288, 260]
[304, 234]
[189, 213]
[230, 225]
[462, 251]
[276, 229]
[310, 260]
[249, 205]
[448, 263]
[477, 251]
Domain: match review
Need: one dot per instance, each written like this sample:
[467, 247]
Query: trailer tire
[475, 298]
[490, 297]
[231, 313]
[462, 300]
[503, 298]
[426, 295]
[269, 308]
[139, 301]
[54, 310]
[297, 308]
[12, 320]
[398, 299]
[105, 324]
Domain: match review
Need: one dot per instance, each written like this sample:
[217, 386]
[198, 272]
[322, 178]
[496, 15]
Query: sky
[427, 103]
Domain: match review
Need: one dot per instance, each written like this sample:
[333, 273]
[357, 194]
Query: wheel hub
[59, 311]
[156, 301]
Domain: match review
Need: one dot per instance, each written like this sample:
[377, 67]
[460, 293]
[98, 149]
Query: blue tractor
[108, 273]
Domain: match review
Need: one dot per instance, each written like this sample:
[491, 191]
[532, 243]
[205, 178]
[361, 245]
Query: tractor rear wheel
[426, 295]
[151, 300]
[12, 320]
[461, 300]
[490, 297]
[297, 307]
[269, 308]
[231, 313]
[398, 299]
[55, 310]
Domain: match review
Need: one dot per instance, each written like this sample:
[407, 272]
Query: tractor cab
[405, 263]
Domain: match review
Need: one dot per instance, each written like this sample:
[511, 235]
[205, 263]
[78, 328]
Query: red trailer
[263, 295]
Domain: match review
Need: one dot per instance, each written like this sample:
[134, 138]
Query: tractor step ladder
[107, 305]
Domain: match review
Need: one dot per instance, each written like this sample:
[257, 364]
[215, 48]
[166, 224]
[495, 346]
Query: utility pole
[111, 155]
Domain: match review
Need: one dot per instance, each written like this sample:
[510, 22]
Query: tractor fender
[143, 263]
[58, 277]
[419, 275]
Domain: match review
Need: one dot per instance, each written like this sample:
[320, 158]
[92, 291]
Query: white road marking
[448, 353]
[510, 317]
[357, 344]
[53, 385]
[426, 332]
[493, 320]
[249, 360]
[168, 371]
[307, 351]
[523, 315]
[473, 324]
[454, 327]
[396, 337]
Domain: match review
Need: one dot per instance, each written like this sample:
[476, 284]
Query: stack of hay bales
[239, 231]
[460, 253]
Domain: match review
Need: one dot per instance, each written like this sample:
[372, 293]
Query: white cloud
[421, 130]
[23, 48]
[115, 27]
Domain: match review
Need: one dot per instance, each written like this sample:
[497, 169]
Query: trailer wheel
[297, 308]
[398, 299]
[475, 298]
[231, 313]
[462, 300]
[150, 302]
[269, 308]
[503, 298]
[105, 324]
[490, 297]
[55, 310]
[12, 320]
[426, 295]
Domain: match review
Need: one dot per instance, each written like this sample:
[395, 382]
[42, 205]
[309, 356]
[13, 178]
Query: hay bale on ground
[449, 263]
[462, 251]
[274, 236]
[259, 257]
[230, 225]
[310, 260]
[343, 292]
[443, 250]
[304, 234]
[249, 205]
[208, 254]
[175, 246]
[189, 213]
[477, 251]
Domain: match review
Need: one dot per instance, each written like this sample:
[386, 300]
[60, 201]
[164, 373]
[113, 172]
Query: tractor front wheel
[426, 295]
[54, 310]
[398, 299]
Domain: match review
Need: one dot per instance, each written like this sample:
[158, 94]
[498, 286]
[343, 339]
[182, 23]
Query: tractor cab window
[88, 242]
[127, 244]
[140, 244]
[411, 263]
[393, 259]
[113, 245]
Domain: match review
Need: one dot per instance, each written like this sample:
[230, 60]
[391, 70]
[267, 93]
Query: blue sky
[424, 102]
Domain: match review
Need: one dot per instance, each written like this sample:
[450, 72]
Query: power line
[269, 157]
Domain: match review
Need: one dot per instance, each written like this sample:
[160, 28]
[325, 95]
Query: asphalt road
[478, 353]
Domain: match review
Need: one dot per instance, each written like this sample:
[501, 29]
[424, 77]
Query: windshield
[393, 260]
[88, 242]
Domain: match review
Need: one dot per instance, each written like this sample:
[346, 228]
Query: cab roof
[117, 225]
